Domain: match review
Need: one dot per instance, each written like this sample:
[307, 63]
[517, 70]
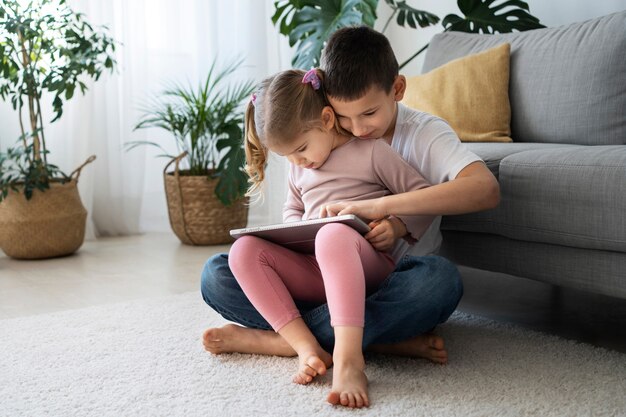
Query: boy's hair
[356, 59]
[281, 109]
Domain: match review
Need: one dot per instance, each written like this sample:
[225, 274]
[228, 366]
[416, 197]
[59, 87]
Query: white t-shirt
[429, 145]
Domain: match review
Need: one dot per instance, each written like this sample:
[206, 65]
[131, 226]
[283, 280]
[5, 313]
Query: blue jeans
[421, 293]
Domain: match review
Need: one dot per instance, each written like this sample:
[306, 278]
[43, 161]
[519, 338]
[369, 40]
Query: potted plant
[206, 198]
[309, 23]
[46, 51]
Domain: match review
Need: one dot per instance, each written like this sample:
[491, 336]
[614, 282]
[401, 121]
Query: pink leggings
[344, 268]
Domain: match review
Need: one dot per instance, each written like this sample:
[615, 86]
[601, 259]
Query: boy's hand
[366, 209]
[385, 232]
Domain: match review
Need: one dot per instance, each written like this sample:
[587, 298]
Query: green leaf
[413, 17]
[233, 181]
[492, 16]
[310, 23]
[57, 105]
[69, 91]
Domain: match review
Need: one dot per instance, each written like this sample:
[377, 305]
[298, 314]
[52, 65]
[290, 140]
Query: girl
[290, 116]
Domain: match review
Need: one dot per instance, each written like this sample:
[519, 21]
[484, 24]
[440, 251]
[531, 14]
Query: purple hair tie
[253, 99]
[312, 78]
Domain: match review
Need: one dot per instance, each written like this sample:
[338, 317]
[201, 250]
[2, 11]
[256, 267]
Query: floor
[125, 268]
[104, 271]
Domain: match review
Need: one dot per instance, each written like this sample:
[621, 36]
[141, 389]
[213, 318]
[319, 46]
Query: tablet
[300, 235]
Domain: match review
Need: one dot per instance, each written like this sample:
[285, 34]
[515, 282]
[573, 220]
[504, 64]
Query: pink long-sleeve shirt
[357, 170]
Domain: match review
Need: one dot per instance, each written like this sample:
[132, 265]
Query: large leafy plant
[309, 23]
[206, 124]
[45, 47]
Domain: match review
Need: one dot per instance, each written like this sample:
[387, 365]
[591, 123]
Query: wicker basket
[196, 215]
[50, 224]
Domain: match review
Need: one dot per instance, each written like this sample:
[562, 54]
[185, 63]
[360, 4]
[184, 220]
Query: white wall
[551, 13]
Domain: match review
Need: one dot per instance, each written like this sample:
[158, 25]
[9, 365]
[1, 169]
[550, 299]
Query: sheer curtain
[160, 41]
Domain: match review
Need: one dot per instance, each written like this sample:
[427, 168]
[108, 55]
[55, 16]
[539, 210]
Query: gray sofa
[562, 216]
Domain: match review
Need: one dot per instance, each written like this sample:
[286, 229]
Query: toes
[302, 379]
[316, 365]
[348, 399]
[206, 336]
[358, 400]
[211, 341]
[436, 342]
[333, 398]
[304, 375]
[307, 370]
[439, 356]
[211, 335]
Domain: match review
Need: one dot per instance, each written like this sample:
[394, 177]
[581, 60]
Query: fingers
[328, 210]
[325, 211]
[382, 246]
[381, 236]
[381, 242]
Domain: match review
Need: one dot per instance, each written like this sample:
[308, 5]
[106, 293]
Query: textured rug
[145, 358]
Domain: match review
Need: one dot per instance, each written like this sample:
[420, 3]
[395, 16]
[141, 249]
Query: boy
[364, 86]
[364, 94]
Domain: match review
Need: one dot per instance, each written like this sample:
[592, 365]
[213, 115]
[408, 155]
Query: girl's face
[311, 149]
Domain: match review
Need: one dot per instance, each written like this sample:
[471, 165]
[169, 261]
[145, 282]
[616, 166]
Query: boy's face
[373, 115]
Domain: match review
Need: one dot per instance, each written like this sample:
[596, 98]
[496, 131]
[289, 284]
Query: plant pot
[196, 215]
[50, 224]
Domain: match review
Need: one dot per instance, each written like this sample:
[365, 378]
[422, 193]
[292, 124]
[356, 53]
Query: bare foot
[426, 346]
[312, 364]
[349, 384]
[233, 338]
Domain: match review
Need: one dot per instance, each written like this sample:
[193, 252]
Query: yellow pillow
[471, 93]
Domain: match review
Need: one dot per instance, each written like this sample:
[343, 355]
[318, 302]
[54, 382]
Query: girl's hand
[366, 209]
[385, 232]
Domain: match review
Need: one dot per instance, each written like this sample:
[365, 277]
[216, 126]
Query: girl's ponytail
[256, 152]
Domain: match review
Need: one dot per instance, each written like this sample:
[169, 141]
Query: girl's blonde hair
[282, 108]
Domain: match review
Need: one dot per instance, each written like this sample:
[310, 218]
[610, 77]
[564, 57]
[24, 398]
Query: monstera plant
[309, 23]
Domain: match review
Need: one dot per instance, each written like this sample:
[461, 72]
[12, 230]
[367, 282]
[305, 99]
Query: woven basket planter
[50, 224]
[196, 215]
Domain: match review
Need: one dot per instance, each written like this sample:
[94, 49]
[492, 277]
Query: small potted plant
[46, 52]
[206, 198]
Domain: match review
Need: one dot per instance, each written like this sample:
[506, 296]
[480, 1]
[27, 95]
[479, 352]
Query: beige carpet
[145, 358]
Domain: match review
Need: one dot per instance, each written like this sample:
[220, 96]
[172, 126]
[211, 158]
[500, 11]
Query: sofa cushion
[470, 93]
[494, 153]
[570, 196]
[567, 83]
